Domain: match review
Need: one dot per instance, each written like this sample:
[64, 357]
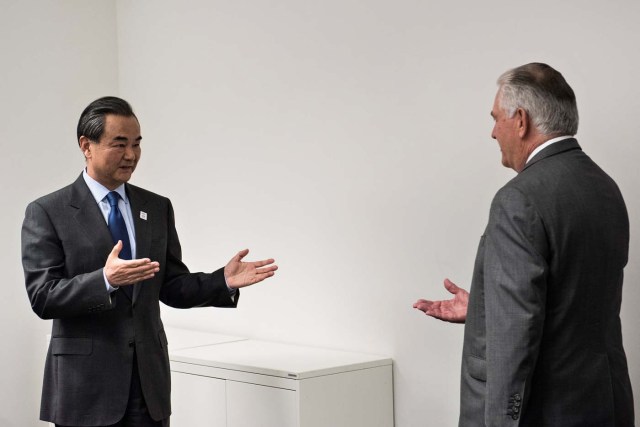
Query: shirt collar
[99, 191]
[541, 147]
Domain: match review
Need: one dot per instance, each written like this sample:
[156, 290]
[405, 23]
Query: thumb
[243, 253]
[116, 250]
[450, 286]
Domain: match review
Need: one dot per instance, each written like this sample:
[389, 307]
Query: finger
[243, 253]
[143, 270]
[262, 263]
[260, 277]
[137, 263]
[146, 263]
[116, 250]
[423, 305]
[263, 276]
[451, 287]
[146, 277]
[419, 307]
[131, 278]
[266, 269]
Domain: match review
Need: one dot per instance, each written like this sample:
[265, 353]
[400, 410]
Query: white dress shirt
[99, 193]
[541, 147]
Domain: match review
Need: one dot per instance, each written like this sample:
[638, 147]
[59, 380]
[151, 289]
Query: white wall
[55, 57]
[348, 139]
[351, 141]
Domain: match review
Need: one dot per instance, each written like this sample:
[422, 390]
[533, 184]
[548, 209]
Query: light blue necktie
[118, 230]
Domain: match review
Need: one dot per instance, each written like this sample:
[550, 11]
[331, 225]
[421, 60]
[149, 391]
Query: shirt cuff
[106, 282]
[232, 291]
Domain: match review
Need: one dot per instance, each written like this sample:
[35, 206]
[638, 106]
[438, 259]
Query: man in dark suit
[107, 363]
[542, 342]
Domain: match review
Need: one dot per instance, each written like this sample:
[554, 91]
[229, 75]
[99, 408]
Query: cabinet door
[197, 401]
[250, 405]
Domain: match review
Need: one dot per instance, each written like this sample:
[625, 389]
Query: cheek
[111, 162]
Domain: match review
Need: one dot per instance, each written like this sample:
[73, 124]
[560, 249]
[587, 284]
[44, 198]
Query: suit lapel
[142, 229]
[89, 218]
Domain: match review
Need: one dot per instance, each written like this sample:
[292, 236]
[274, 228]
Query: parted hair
[91, 123]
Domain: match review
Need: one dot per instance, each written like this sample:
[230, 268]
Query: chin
[124, 177]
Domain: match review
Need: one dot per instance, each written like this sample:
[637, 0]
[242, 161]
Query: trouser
[137, 414]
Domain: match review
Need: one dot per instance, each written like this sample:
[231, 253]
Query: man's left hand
[240, 274]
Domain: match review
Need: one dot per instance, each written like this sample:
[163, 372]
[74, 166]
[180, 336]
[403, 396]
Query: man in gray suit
[98, 256]
[542, 342]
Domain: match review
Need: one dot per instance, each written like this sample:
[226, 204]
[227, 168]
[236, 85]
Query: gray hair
[544, 94]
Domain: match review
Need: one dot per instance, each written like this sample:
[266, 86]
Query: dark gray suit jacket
[542, 343]
[65, 244]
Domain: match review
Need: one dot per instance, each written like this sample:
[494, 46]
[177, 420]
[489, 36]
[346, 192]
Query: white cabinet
[197, 401]
[206, 395]
[251, 383]
[186, 338]
[251, 405]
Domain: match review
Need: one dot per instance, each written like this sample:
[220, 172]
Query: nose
[129, 152]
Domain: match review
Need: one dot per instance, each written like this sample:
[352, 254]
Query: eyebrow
[124, 138]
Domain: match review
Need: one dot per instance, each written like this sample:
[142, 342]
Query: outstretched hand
[120, 272]
[453, 310]
[240, 274]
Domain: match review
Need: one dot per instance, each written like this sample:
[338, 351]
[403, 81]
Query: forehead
[115, 125]
[496, 110]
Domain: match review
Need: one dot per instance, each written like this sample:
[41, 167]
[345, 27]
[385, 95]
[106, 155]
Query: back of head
[544, 94]
[91, 123]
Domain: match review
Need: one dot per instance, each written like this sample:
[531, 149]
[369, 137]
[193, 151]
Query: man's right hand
[453, 310]
[120, 272]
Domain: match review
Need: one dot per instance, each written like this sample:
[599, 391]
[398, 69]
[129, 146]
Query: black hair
[91, 123]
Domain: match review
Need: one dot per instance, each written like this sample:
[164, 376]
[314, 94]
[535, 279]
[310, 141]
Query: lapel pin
[143, 215]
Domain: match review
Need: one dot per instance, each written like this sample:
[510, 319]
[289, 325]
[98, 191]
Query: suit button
[517, 397]
[514, 416]
[132, 343]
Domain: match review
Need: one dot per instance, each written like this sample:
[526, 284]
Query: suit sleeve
[515, 293]
[54, 293]
[182, 289]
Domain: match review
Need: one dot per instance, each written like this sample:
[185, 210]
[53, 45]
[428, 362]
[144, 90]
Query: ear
[522, 122]
[85, 146]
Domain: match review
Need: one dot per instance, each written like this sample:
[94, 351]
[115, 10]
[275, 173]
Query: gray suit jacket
[542, 343]
[65, 244]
